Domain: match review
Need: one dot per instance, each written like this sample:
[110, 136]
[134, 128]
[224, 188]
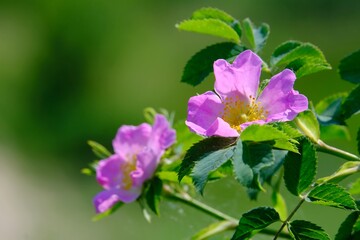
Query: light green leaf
[345, 231]
[213, 229]
[288, 129]
[201, 64]
[307, 123]
[214, 13]
[351, 105]
[307, 66]
[279, 204]
[358, 140]
[257, 36]
[331, 195]
[334, 132]
[355, 187]
[207, 164]
[171, 176]
[255, 219]
[184, 137]
[304, 230]
[347, 169]
[110, 211]
[349, 67]
[201, 150]
[99, 150]
[300, 169]
[210, 26]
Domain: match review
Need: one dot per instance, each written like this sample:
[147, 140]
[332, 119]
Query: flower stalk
[323, 147]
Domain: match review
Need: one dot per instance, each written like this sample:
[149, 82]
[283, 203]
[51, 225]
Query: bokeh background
[71, 71]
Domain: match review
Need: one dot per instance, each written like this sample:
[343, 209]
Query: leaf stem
[289, 217]
[323, 147]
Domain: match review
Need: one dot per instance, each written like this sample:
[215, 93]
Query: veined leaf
[214, 13]
[300, 169]
[349, 67]
[345, 231]
[210, 26]
[255, 219]
[99, 150]
[257, 36]
[202, 149]
[304, 230]
[331, 195]
[351, 104]
[201, 64]
[308, 124]
[307, 66]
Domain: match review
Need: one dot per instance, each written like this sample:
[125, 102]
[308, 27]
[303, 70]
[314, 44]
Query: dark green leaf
[202, 149]
[306, 121]
[108, 212]
[304, 230]
[257, 36]
[99, 150]
[303, 58]
[346, 229]
[300, 169]
[214, 13]
[351, 104]
[255, 219]
[153, 195]
[248, 160]
[201, 64]
[331, 195]
[208, 164]
[349, 67]
[210, 26]
[329, 109]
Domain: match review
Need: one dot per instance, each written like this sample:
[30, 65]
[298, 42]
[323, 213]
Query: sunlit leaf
[331, 195]
[304, 230]
[349, 67]
[255, 219]
[171, 176]
[300, 169]
[355, 187]
[99, 150]
[201, 64]
[256, 36]
[308, 124]
[334, 132]
[345, 231]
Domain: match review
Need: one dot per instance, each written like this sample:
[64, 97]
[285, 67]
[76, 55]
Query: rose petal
[243, 76]
[222, 129]
[108, 172]
[162, 135]
[146, 165]
[203, 111]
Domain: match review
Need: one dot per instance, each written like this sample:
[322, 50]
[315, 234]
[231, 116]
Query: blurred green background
[71, 71]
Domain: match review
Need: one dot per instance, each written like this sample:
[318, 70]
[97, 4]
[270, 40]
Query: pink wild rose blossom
[236, 104]
[138, 150]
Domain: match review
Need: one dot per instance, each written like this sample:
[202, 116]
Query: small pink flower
[138, 150]
[236, 103]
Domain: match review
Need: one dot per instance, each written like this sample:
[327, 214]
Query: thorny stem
[288, 218]
[232, 223]
[323, 147]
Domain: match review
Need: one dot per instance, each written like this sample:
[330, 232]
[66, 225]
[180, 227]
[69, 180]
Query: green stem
[288, 218]
[323, 147]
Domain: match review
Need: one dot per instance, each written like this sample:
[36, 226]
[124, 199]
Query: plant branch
[323, 147]
[288, 218]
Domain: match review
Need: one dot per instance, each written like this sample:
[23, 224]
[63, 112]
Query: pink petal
[162, 135]
[222, 129]
[131, 139]
[146, 165]
[242, 76]
[203, 111]
[108, 172]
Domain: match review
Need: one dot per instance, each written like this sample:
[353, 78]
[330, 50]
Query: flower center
[236, 112]
[126, 169]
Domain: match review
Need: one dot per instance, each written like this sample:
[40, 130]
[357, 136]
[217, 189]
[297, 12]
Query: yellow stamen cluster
[126, 169]
[237, 112]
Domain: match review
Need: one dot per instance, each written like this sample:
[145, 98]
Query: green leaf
[331, 195]
[346, 228]
[306, 121]
[201, 64]
[288, 129]
[184, 137]
[214, 13]
[257, 36]
[300, 169]
[355, 187]
[210, 26]
[304, 230]
[329, 109]
[351, 105]
[248, 160]
[207, 164]
[302, 58]
[334, 132]
[279, 204]
[108, 212]
[255, 219]
[358, 140]
[201, 150]
[212, 229]
[349, 67]
[347, 169]
[153, 195]
[99, 150]
[171, 176]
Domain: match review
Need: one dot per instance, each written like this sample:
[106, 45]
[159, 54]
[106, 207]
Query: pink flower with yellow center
[237, 103]
[138, 150]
